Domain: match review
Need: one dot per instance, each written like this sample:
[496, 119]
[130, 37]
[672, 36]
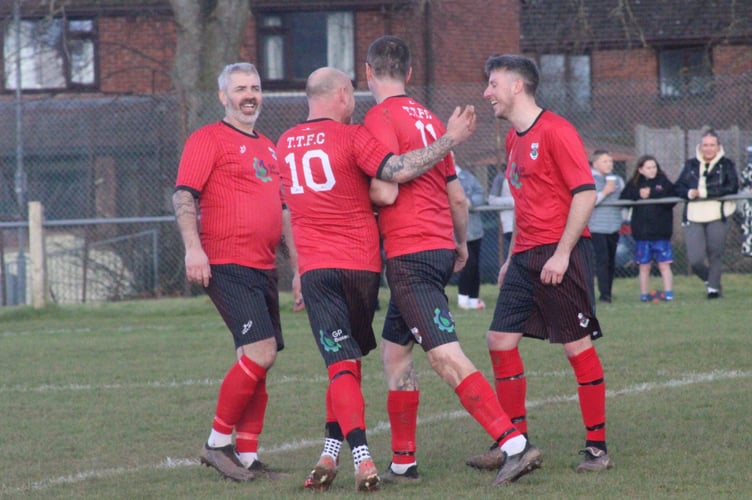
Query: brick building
[99, 102]
[127, 46]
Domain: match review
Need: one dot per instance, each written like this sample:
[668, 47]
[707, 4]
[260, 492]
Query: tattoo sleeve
[186, 216]
[408, 166]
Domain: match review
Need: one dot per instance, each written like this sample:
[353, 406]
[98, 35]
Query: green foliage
[115, 400]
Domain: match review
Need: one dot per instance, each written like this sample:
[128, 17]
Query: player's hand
[502, 273]
[462, 123]
[554, 269]
[460, 257]
[197, 268]
[297, 295]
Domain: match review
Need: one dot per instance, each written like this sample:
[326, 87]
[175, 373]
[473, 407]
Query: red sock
[402, 407]
[478, 398]
[592, 393]
[251, 422]
[237, 388]
[511, 385]
[346, 397]
[330, 415]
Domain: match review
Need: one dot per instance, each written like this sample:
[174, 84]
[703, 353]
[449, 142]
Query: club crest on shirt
[514, 176]
[242, 149]
[261, 171]
[534, 151]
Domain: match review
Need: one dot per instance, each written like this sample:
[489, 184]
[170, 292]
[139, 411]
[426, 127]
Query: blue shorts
[649, 251]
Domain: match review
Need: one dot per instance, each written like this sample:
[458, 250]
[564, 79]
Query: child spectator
[652, 225]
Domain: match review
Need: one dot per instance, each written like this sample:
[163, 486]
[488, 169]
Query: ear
[519, 86]
[222, 97]
[369, 72]
[342, 95]
[409, 74]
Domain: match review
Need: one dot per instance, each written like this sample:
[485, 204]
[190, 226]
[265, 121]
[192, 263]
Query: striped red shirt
[420, 219]
[547, 165]
[325, 179]
[236, 179]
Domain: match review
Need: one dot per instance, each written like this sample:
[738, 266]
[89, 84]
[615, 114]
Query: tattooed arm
[197, 268]
[408, 166]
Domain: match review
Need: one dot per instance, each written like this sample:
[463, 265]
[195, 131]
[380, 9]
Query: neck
[384, 90]
[317, 112]
[525, 115]
[247, 128]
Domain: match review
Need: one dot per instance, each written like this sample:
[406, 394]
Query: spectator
[605, 221]
[705, 223]
[652, 225]
[746, 182]
[469, 283]
[500, 194]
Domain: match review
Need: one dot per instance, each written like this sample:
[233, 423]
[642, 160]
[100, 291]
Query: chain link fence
[104, 170]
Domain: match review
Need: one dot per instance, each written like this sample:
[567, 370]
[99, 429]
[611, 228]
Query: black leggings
[469, 283]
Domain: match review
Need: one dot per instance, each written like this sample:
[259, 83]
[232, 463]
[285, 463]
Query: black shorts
[562, 313]
[248, 301]
[341, 304]
[419, 308]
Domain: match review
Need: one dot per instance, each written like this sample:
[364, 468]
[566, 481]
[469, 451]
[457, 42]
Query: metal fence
[111, 161]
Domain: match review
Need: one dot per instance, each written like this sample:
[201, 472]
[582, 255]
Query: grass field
[114, 401]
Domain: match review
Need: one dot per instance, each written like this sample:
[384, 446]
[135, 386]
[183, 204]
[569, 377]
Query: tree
[209, 35]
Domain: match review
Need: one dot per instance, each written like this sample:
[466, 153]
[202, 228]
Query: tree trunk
[209, 36]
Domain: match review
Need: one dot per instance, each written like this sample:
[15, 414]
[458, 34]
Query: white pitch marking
[174, 463]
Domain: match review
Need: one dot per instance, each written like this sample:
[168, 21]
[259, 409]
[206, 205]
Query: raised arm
[408, 166]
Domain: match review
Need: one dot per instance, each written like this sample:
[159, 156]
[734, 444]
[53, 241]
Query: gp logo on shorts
[331, 342]
[443, 320]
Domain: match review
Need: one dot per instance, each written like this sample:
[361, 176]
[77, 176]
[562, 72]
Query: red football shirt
[420, 219]
[546, 166]
[236, 178]
[325, 179]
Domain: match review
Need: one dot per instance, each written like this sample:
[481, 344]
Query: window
[294, 44]
[685, 71]
[54, 54]
[565, 82]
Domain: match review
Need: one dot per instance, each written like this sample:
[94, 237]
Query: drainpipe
[428, 50]
[20, 177]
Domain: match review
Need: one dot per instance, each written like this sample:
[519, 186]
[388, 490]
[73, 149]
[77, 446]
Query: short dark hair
[711, 133]
[600, 152]
[389, 56]
[523, 66]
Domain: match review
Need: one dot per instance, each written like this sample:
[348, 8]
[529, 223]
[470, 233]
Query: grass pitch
[115, 400]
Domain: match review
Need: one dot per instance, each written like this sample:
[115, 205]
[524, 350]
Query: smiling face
[500, 92]
[242, 100]
[709, 147]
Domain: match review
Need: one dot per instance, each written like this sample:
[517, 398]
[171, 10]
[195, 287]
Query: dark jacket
[722, 180]
[654, 221]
